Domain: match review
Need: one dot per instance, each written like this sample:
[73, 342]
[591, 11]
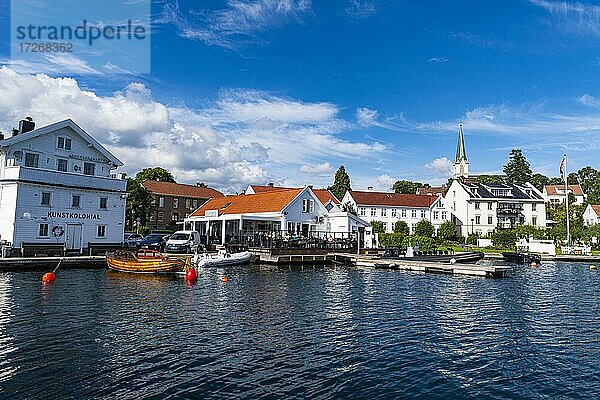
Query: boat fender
[191, 275]
[592, 267]
[48, 277]
[453, 260]
[533, 264]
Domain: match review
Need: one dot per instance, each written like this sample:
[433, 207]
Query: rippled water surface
[323, 332]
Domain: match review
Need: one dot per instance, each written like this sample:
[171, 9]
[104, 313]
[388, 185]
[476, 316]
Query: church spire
[461, 163]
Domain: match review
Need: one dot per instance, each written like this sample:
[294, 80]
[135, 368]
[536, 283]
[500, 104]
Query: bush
[447, 231]
[401, 227]
[472, 239]
[425, 243]
[504, 238]
[391, 240]
[143, 230]
[424, 228]
[378, 226]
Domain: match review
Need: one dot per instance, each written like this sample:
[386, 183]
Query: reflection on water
[312, 332]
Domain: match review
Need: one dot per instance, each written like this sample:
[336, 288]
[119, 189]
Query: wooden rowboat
[144, 263]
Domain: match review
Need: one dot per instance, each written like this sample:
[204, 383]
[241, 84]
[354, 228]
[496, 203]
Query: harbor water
[315, 332]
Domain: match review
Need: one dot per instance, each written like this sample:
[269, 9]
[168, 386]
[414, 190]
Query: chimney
[310, 186]
[1, 136]
[370, 188]
[15, 132]
[26, 125]
[270, 184]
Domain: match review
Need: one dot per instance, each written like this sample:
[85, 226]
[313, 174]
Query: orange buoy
[48, 277]
[224, 279]
[533, 264]
[191, 275]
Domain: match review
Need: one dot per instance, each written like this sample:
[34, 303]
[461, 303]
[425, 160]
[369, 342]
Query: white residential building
[481, 209]
[56, 187]
[591, 215]
[556, 194]
[392, 207]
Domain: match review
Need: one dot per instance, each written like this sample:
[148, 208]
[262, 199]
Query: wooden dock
[40, 263]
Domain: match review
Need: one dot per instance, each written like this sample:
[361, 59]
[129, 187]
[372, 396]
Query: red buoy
[224, 279]
[191, 275]
[48, 277]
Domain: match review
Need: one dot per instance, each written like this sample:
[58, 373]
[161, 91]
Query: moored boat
[222, 259]
[145, 263]
[521, 258]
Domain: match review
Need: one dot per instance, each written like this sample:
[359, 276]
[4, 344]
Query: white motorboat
[221, 259]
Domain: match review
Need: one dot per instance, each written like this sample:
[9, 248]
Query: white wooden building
[392, 207]
[56, 187]
[591, 215]
[482, 209]
[555, 194]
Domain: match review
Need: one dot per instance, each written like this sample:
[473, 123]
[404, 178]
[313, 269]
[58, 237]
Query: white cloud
[316, 169]
[243, 137]
[441, 166]
[589, 100]
[386, 181]
[437, 60]
[366, 117]
[239, 23]
[360, 9]
[572, 17]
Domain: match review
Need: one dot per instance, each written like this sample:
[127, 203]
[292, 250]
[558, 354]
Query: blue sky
[287, 90]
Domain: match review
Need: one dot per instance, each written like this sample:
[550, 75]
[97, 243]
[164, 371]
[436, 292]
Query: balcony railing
[510, 208]
[50, 177]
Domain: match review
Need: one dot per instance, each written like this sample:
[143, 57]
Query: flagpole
[566, 178]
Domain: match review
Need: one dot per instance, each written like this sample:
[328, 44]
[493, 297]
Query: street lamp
[472, 227]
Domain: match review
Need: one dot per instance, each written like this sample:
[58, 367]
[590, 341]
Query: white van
[183, 242]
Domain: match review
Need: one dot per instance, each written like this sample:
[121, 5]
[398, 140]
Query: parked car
[183, 242]
[131, 240]
[154, 241]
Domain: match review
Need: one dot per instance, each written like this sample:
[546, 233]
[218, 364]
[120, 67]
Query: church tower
[461, 163]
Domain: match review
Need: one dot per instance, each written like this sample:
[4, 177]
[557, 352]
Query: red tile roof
[392, 199]
[273, 201]
[323, 195]
[596, 209]
[554, 190]
[432, 190]
[179, 189]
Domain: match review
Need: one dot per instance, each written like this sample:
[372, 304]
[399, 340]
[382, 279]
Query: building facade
[392, 207]
[591, 215]
[481, 209]
[173, 202]
[57, 186]
[555, 194]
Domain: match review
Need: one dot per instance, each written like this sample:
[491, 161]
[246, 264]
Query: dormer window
[64, 143]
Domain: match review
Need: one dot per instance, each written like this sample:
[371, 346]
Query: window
[175, 217]
[384, 212]
[89, 168]
[64, 143]
[161, 216]
[490, 220]
[76, 201]
[444, 215]
[362, 211]
[304, 205]
[478, 219]
[394, 213]
[534, 208]
[45, 199]
[311, 206]
[534, 221]
[477, 205]
[414, 213]
[175, 203]
[151, 217]
[490, 206]
[101, 231]
[436, 215]
[403, 213]
[62, 165]
[103, 203]
[373, 212]
[422, 213]
[188, 203]
[43, 232]
[195, 204]
[161, 201]
[32, 160]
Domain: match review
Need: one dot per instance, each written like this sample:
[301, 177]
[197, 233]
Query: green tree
[539, 181]
[154, 174]
[401, 227]
[406, 187]
[378, 226]
[447, 231]
[349, 208]
[504, 238]
[389, 240]
[139, 204]
[517, 170]
[490, 179]
[556, 181]
[341, 183]
[424, 228]
[588, 178]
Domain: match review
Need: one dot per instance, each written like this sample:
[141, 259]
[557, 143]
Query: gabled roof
[323, 195]
[596, 209]
[432, 190]
[179, 189]
[370, 198]
[274, 201]
[517, 192]
[553, 190]
[59, 125]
